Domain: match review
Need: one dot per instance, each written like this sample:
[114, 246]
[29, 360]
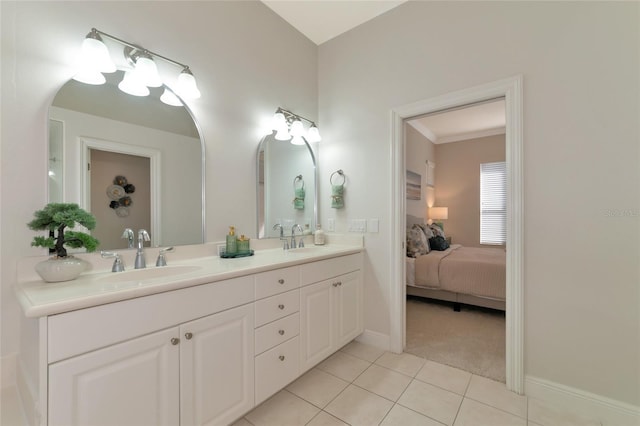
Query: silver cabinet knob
[281, 306]
[188, 336]
[281, 281]
[339, 282]
[281, 357]
[281, 332]
[175, 341]
[335, 284]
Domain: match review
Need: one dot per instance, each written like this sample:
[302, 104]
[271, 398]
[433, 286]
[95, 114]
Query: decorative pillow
[437, 231]
[438, 243]
[417, 242]
[427, 231]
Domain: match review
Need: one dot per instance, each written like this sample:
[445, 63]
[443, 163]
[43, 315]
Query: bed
[468, 275]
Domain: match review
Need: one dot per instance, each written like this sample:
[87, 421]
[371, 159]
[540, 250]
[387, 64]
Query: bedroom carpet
[472, 340]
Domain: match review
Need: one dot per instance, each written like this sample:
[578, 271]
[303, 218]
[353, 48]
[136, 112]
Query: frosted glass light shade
[187, 87]
[95, 52]
[169, 98]
[283, 134]
[313, 135]
[297, 140]
[296, 128]
[147, 72]
[132, 85]
[89, 75]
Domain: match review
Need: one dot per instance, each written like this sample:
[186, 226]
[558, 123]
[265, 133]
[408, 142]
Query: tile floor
[362, 385]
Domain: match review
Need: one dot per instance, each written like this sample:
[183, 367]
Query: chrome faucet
[293, 236]
[128, 234]
[285, 245]
[143, 236]
[161, 261]
[118, 266]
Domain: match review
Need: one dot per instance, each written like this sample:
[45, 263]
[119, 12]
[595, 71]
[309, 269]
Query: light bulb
[96, 53]
[187, 87]
[169, 98]
[313, 135]
[296, 128]
[89, 75]
[297, 140]
[147, 72]
[132, 85]
[283, 134]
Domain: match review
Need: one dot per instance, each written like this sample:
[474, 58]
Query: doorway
[511, 90]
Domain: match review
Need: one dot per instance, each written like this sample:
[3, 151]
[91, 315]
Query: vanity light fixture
[142, 74]
[288, 125]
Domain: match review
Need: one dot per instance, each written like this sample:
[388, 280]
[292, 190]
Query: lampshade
[297, 140]
[96, 53]
[296, 128]
[187, 87]
[313, 135]
[278, 122]
[438, 213]
[89, 75]
[169, 98]
[283, 134]
[147, 72]
[132, 85]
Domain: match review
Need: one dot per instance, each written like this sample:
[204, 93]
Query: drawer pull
[335, 284]
[280, 306]
[281, 332]
[175, 341]
[281, 357]
[281, 281]
[188, 336]
[339, 282]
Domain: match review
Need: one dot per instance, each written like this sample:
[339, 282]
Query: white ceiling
[475, 121]
[322, 20]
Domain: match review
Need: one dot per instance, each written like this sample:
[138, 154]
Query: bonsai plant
[55, 218]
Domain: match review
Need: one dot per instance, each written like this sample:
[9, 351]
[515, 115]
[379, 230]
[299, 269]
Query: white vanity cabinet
[331, 311]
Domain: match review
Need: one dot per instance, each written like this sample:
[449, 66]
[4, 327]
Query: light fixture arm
[139, 48]
[290, 116]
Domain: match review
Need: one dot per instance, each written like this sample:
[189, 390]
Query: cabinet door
[316, 331]
[348, 308]
[131, 383]
[217, 367]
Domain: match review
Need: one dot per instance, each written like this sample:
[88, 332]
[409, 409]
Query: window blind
[493, 203]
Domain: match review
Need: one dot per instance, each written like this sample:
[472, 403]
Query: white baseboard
[373, 338]
[28, 396]
[608, 411]
[8, 370]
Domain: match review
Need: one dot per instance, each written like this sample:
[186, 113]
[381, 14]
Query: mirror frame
[203, 180]
[315, 184]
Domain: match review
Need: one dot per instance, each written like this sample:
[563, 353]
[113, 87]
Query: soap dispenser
[232, 241]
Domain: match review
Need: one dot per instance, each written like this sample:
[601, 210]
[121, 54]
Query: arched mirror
[134, 162]
[287, 186]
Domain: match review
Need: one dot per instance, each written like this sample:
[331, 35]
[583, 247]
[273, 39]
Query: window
[493, 203]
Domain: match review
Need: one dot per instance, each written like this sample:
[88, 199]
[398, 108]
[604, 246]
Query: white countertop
[101, 286]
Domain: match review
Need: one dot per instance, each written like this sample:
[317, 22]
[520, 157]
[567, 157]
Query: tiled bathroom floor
[362, 385]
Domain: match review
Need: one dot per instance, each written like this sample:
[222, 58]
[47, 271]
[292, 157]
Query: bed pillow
[437, 231]
[427, 231]
[417, 242]
[438, 243]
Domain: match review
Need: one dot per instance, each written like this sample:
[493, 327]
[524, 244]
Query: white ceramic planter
[61, 269]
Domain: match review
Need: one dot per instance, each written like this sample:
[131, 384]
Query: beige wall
[580, 66]
[418, 150]
[458, 184]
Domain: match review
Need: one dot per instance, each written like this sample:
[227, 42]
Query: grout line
[418, 412]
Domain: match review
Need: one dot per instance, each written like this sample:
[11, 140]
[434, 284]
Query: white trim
[606, 410]
[27, 394]
[155, 161]
[8, 370]
[511, 89]
[471, 135]
[426, 132]
[373, 338]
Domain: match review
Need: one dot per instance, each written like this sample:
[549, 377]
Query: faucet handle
[118, 266]
[128, 234]
[161, 259]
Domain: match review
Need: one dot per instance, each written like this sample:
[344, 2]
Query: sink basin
[308, 250]
[150, 273]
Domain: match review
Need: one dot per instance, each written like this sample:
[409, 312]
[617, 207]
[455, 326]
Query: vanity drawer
[274, 333]
[278, 281]
[324, 269]
[276, 368]
[276, 307]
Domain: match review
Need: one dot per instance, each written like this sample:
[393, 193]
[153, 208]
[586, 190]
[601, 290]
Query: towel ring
[295, 180]
[341, 173]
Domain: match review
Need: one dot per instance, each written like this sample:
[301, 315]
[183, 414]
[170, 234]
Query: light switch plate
[331, 225]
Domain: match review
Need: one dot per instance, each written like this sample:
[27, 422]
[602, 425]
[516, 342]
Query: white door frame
[155, 158]
[512, 90]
